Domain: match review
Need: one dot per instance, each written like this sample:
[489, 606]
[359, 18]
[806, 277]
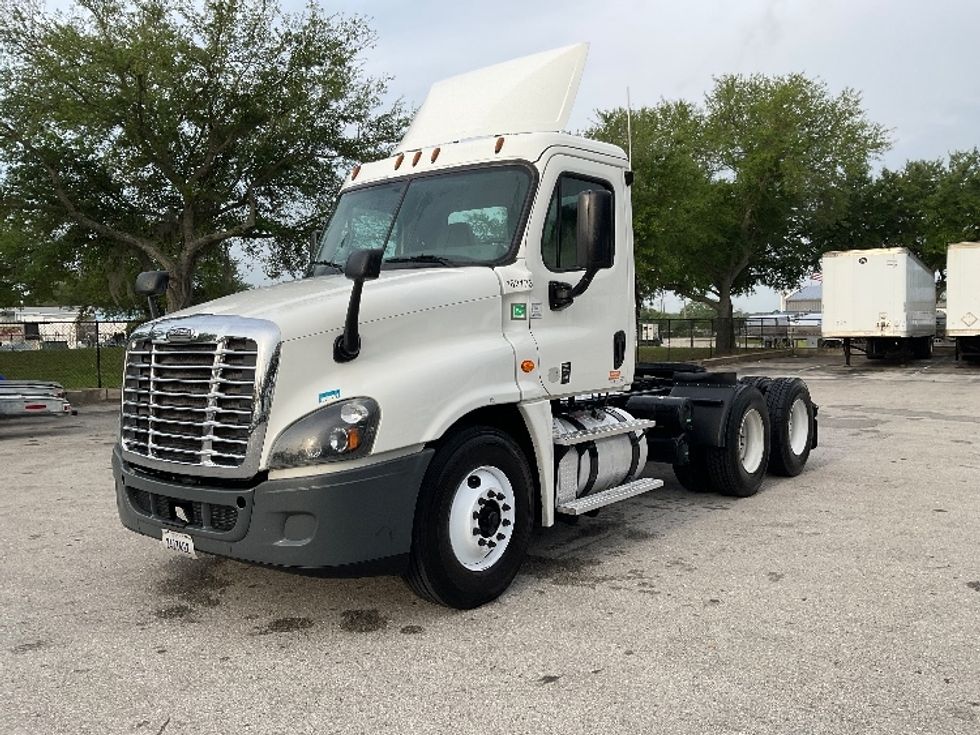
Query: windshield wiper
[423, 258]
[337, 266]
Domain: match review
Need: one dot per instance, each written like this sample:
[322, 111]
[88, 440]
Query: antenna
[629, 127]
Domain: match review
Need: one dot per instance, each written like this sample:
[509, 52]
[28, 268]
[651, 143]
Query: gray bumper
[360, 516]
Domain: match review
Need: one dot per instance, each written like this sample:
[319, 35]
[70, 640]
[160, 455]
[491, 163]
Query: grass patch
[74, 369]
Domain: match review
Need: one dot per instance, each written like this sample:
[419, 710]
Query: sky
[913, 61]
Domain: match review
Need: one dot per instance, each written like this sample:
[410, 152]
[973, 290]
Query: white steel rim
[799, 426]
[751, 440]
[481, 521]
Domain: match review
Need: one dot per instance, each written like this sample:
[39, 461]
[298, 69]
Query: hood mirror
[152, 284]
[362, 265]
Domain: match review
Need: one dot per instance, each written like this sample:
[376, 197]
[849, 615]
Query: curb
[89, 396]
[746, 357]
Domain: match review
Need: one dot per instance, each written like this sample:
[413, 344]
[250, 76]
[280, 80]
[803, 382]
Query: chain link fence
[79, 354]
[90, 354]
[697, 339]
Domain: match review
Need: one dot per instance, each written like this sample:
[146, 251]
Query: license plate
[180, 543]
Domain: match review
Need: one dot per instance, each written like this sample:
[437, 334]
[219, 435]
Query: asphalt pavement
[846, 600]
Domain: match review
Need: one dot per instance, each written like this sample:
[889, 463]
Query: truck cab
[458, 368]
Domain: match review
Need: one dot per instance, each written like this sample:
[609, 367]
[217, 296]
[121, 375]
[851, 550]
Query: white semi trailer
[963, 298]
[472, 377]
[880, 301]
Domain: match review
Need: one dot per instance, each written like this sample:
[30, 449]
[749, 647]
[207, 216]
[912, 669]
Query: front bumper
[360, 517]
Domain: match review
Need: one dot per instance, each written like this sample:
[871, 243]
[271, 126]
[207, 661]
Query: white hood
[315, 305]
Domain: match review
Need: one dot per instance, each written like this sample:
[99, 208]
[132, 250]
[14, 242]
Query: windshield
[457, 218]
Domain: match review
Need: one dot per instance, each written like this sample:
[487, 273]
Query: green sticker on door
[518, 311]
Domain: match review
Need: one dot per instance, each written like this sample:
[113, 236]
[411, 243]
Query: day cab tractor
[457, 369]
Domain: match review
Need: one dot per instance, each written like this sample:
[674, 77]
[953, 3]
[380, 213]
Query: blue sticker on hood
[328, 395]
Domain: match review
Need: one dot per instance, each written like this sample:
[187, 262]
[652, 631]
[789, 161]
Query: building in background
[807, 300]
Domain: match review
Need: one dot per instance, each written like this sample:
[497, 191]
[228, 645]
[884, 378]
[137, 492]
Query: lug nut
[500, 496]
[491, 494]
[500, 537]
[505, 507]
[482, 541]
[491, 544]
[505, 523]
[481, 501]
[476, 531]
[473, 481]
[476, 516]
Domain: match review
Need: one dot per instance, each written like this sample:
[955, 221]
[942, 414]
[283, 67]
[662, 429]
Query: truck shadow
[262, 601]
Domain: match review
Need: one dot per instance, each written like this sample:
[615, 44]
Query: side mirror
[594, 235]
[152, 284]
[594, 242]
[362, 265]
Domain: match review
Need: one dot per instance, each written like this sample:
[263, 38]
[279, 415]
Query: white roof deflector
[527, 95]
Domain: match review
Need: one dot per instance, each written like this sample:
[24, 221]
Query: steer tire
[791, 412]
[739, 467]
[446, 566]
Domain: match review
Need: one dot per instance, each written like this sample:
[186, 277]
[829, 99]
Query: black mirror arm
[347, 346]
[561, 294]
[154, 309]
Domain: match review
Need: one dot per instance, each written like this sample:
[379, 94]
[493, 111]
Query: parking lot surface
[846, 600]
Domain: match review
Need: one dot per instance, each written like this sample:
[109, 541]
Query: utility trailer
[963, 298]
[881, 302]
[32, 398]
[457, 369]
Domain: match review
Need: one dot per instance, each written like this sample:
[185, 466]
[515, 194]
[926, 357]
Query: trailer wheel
[473, 520]
[922, 348]
[792, 417]
[739, 467]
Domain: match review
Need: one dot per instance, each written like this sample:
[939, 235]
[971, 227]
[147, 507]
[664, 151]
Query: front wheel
[473, 520]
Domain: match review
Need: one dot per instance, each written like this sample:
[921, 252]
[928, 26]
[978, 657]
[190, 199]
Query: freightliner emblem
[180, 334]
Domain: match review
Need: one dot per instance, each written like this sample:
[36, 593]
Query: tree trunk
[181, 289]
[724, 324]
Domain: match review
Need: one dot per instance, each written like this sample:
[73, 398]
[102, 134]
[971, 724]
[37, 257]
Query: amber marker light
[528, 366]
[500, 144]
[435, 154]
[416, 157]
[353, 439]
[398, 160]
[355, 172]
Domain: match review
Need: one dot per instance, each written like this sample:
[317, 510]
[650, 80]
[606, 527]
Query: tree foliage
[728, 194]
[161, 131]
[924, 206]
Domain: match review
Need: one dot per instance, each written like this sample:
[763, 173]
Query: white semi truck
[473, 375]
[963, 298]
[880, 301]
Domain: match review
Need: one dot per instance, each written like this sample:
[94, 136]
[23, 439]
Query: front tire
[473, 520]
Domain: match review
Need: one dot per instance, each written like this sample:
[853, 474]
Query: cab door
[589, 345]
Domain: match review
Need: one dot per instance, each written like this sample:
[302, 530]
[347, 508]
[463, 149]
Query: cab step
[624, 427]
[607, 497]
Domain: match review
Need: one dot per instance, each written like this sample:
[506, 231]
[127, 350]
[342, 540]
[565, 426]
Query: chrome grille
[190, 402]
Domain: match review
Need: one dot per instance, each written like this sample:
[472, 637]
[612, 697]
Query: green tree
[924, 206]
[167, 130]
[727, 195]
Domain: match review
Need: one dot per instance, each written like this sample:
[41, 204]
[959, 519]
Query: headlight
[339, 431]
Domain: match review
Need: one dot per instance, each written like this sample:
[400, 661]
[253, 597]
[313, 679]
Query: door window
[559, 247]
